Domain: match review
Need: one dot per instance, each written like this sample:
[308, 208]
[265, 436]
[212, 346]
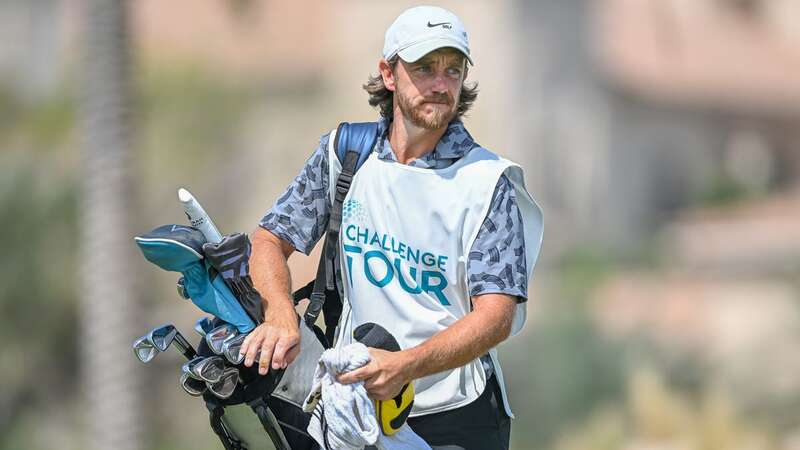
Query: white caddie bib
[404, 245]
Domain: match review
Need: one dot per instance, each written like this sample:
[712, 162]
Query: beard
[443, 112]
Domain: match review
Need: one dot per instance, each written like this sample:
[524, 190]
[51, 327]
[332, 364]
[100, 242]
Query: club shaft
[183, 346]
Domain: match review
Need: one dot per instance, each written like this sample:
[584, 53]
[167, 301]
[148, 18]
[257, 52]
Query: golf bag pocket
[179, 248]
[295, 385]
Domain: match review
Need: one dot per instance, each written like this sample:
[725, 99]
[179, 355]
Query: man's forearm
[269, 270]
[278, 338]
[467, 339]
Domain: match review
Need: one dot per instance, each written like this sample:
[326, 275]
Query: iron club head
[162, 336]
[209, 369]
[226, 385]
[144, 349]
[192, 386]
[158, 339]
[231, 348]
[217, 336]
[203, 325]
[188, 366]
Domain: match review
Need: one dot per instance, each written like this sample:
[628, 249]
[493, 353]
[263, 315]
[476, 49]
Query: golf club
[192, 386]
[203, 325]
[226, 385]
[217, 336]
[189, 365]
[162, 336]
[158, 339]
[144, 350]
[209, 369]
[182, 345]
[231, 348]
[181, 287]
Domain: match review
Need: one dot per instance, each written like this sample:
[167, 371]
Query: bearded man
[440, 241]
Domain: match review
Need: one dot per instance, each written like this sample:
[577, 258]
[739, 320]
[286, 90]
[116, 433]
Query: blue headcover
[357, 137]
[179, 248]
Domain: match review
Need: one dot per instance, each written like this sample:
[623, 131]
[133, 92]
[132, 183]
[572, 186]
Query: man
[439, 238]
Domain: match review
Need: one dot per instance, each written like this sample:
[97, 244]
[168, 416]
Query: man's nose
[439, 83]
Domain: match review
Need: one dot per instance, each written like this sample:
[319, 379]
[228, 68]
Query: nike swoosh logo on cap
[447, 25]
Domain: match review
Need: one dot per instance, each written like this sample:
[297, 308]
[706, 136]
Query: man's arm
[488, 324]
[278, 338]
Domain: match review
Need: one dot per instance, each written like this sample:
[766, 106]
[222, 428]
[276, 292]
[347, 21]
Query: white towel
[343, 414]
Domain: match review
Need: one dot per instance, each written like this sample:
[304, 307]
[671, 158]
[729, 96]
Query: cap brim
[414, 52]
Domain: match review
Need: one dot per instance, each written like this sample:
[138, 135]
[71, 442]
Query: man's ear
[387, 74]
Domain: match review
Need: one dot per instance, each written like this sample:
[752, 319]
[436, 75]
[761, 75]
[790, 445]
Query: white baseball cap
[423, 29]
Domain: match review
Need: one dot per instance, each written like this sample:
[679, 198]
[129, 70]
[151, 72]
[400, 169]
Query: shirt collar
[454, 143]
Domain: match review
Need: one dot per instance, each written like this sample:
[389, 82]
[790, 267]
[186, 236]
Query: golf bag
[271, 403]
[277, 398]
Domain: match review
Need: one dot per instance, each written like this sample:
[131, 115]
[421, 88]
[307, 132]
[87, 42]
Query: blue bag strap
[358, 137]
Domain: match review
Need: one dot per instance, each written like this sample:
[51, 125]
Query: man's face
[427, 91]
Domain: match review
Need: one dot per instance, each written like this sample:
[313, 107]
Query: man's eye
[454, 72]
[424, 69]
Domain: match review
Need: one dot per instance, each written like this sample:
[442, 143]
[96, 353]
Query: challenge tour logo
[352, 211]
[385, 259]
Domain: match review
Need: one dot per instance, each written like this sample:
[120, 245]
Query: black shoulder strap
[353, 144]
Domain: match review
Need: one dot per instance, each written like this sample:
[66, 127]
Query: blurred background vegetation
[659, 137]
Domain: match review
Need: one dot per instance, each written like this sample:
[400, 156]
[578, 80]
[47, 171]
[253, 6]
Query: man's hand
[384, 376]
[277, 339]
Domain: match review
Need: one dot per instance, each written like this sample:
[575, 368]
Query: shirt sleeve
[496, 263]
[300, 215]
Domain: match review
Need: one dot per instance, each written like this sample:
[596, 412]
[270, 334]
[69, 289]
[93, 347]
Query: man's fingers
[375, 390]
[379, 395]
[285, 345]
[253, 342]
[280, 358]
[353, 376]
[291, 355]
[279, 354]
[246, 344]
[267, 348]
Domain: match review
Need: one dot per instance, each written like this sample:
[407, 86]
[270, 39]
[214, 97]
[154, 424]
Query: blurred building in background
[639, 108]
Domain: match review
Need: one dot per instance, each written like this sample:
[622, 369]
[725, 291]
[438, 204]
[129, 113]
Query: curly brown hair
[382, 98]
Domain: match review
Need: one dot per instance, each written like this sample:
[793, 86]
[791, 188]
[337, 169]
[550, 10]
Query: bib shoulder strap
[353, 144]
